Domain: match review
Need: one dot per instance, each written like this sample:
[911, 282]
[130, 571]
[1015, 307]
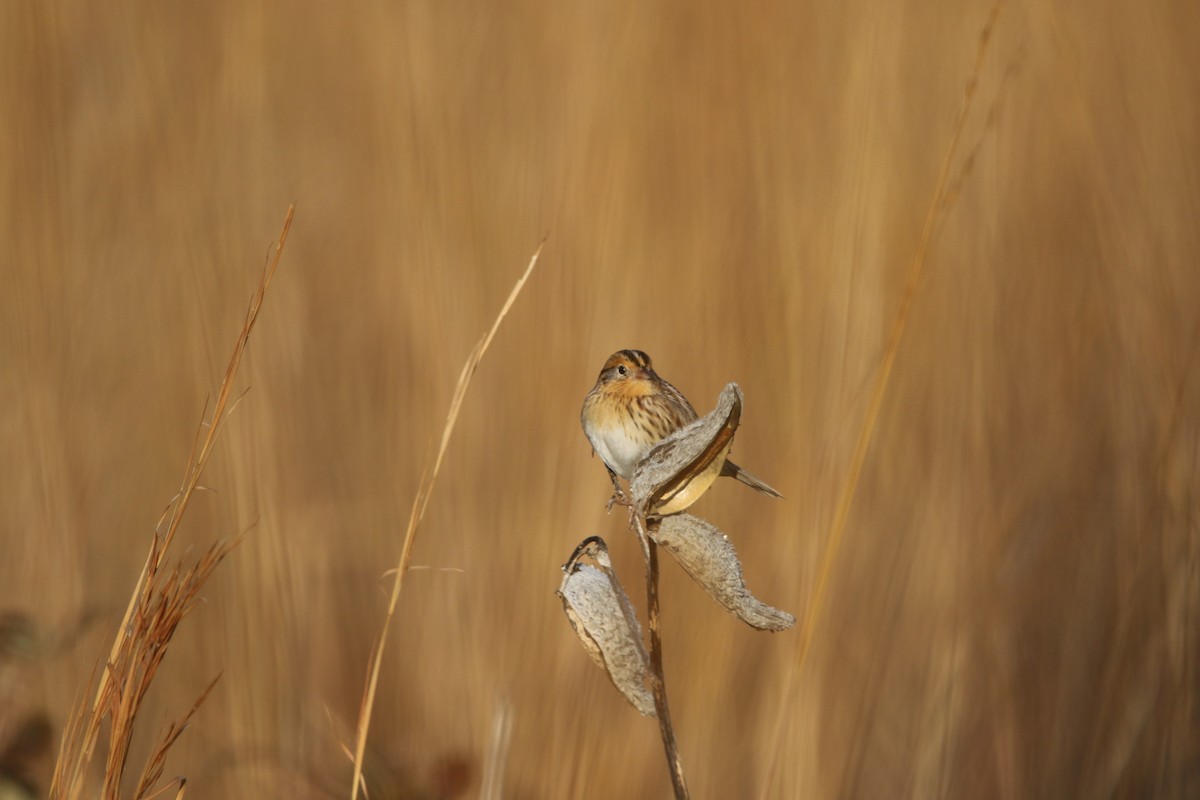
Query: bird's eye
[621, 369]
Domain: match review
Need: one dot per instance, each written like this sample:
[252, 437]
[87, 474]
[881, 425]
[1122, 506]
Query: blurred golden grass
[883, 374]
[1013, 611]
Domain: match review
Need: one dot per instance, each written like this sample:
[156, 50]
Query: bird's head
[627, 366]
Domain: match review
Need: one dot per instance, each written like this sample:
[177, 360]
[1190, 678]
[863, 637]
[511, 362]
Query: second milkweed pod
[680, 468]
[602, 616]
[707, 555]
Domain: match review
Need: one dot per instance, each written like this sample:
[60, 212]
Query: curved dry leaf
[680, 468]
[707, 555]
[600, 613]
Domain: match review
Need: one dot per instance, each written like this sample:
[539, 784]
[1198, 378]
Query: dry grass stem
[161, 599]
[420, 502]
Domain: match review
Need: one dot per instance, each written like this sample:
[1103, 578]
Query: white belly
[618, 451]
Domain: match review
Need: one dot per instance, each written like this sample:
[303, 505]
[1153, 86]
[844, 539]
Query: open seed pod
[682, 466]
[707, 555]
[603, 618]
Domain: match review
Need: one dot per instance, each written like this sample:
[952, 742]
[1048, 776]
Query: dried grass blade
[420, 502]
[156, 605]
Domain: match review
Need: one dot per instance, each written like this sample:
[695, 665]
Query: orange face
[630, 368]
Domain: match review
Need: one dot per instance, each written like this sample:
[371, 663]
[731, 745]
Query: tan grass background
[736, 189]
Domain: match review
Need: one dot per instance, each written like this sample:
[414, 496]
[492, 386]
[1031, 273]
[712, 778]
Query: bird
[631, 409]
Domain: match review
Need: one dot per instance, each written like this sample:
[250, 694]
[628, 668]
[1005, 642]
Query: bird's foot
[619, 498]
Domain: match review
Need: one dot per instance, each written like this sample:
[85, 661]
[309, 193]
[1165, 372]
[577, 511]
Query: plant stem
[658, 684]
[416, 515]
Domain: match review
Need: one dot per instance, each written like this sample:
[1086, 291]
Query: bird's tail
[732, 470]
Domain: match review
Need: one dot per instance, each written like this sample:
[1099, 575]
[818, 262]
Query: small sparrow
[631, 409]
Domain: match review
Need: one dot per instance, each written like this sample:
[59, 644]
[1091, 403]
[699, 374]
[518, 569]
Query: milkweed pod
[707, 555]
[680, 468]
[603, 618]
